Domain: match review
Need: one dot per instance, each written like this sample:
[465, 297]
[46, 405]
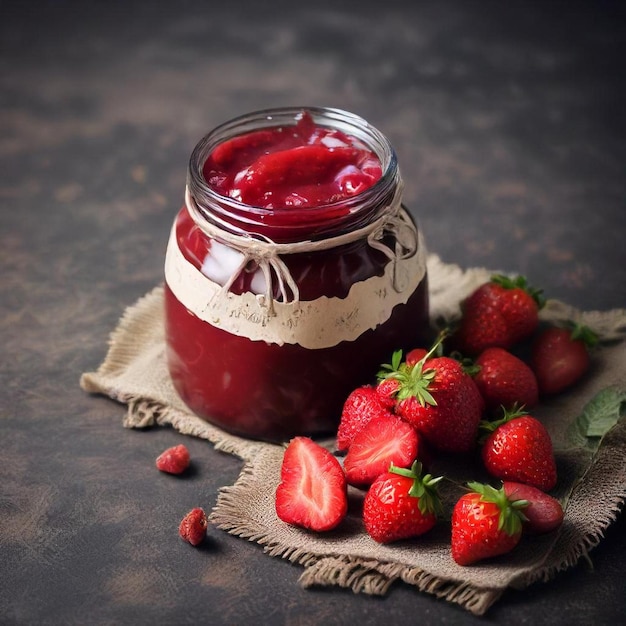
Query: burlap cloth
[592, 480]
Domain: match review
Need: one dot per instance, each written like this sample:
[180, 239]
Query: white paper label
[313, 324]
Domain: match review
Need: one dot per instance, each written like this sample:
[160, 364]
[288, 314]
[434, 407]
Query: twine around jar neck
[266, 254]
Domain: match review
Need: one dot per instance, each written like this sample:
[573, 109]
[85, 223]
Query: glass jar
[274, 315]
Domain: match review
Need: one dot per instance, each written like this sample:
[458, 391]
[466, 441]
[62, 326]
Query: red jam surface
[269, 391]
[303, 165]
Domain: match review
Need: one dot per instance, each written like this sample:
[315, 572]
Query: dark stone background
[508, 119]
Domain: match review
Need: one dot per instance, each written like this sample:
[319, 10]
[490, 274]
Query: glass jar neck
[294, 223]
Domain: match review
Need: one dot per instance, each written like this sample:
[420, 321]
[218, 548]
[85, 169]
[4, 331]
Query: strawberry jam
[292, 272]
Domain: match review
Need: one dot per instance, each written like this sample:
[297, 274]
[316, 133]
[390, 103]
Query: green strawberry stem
[389, 368]
[520, 282]
[511, 515]
[469, 365]
[424, 487]
[413, 380]
[580, 332]
[486, 427]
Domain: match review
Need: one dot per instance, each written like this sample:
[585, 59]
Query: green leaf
[599, 415]
[511, 515]
[520, 282]
[424, 488]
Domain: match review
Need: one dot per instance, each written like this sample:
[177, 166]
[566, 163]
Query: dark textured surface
[508, 119]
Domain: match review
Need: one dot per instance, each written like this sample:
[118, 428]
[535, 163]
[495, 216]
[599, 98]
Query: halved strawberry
[383, 441]
[312, 492]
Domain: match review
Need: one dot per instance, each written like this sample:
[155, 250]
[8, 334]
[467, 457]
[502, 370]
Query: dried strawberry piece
[193, 526]
[174, 460]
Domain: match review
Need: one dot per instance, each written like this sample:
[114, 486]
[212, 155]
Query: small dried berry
[193, 526]
[174, 460]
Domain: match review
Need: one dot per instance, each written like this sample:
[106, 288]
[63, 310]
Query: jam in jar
[292, 271]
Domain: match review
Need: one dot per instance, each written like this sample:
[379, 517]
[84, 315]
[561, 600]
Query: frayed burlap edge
[143, 321]
[371, 576]
[357, 573]
[360, 574]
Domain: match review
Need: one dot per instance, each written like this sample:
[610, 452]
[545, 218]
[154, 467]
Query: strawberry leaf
[599, 415]
[585, 334]
[511, 515]
[424, 488]
[387, 370]
[520, 282]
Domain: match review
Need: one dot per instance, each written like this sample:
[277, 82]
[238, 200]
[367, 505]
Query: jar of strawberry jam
[292, 271]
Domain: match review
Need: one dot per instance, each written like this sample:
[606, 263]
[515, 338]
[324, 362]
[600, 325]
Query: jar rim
[326, 213]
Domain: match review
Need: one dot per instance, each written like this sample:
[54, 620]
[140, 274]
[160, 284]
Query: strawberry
[543, 513]
[560, 356]
[400, 504]
[386, 390]
[174, 460]
[362, 405]
[415, 355]
[312, 492]
[504, 380]
[439, 399]
[383, 441]
[485, 523]
[519, 448]
[193, 527]
[501, 313]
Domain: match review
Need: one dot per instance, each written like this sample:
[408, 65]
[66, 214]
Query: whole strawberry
[543, 513]
[519, 448]
[174, 460]
[382, 442]
[193, 526]
[560, 356]
[499, 313]
[485, 523]
[362, 405]
[400, 504]
[504, 380]
[312, 492]
[440, 400]
[415, 355]
[386, 391]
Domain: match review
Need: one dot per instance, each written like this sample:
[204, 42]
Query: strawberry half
[400, 504]
[312, 492]
[383, 441]
[485, 523]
